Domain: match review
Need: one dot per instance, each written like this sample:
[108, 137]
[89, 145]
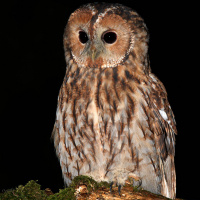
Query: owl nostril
[109, 37]
[83, 38]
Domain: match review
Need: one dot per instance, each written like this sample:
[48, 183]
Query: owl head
[101, 35]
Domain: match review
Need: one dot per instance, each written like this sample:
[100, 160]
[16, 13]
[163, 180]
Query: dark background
[32, 71]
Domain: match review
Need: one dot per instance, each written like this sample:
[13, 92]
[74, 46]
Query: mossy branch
[32, 190]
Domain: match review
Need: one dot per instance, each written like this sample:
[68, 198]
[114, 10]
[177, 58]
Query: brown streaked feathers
[113, 119]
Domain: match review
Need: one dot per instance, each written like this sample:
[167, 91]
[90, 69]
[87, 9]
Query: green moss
[63, 194]
[32, 191]
[137, 188]
[103, 184]
[84, 180]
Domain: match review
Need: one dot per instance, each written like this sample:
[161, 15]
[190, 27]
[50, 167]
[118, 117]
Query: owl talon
[111, 184]
[119, 189]
[137, 183]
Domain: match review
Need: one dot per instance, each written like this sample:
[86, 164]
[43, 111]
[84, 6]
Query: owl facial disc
[98, 39]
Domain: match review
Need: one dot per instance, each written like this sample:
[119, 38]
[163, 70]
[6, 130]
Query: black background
[33, 68]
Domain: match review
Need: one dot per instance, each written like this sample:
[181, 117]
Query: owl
[113, 119]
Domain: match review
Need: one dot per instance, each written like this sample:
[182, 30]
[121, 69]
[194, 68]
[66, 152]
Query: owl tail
[168, 185]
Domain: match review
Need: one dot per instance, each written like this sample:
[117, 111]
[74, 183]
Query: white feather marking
[102, 15]
[163, 114]
[153, 78]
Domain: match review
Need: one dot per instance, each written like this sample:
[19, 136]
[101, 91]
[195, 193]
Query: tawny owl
[113, 119]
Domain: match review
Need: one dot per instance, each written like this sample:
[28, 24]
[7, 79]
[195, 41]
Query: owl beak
[94, 54]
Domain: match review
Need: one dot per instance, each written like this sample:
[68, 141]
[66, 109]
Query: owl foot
[137, 183]
[111, 184]
[134, 180]
[119, 189]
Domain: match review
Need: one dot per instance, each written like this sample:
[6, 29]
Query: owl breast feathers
[113, 119]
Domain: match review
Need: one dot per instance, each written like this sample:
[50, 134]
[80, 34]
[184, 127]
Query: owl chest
[103, 120]
[101, 110]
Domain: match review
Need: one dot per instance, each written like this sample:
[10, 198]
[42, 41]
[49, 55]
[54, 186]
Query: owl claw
[119, 189]
[111, 184]
[137, 183]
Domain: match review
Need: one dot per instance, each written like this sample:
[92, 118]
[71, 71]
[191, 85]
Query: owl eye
[83, 38]
[109, 37]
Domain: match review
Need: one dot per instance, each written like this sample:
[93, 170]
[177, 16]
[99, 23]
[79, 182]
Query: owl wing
[163, 125]
[162, 121]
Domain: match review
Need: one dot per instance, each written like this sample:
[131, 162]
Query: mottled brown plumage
[113, 118]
